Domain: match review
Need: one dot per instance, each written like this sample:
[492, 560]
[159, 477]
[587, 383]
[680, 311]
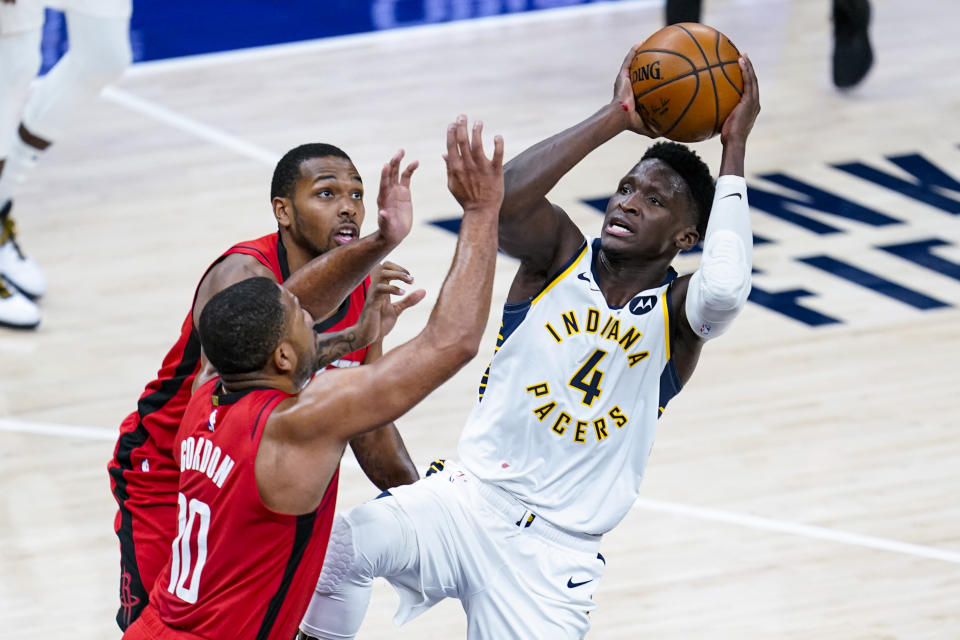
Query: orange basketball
[686, 80]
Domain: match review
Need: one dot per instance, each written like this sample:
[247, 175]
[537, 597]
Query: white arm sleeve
[719, 288]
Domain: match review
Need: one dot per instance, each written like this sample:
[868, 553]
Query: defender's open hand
[394, 205]
[379, 314]
[473, 179]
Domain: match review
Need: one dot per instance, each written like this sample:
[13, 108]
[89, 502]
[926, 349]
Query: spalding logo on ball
[686, 81]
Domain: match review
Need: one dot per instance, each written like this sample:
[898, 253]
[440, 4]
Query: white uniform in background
[98, 31]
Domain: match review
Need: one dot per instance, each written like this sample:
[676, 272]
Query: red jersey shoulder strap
[268, 251]
[349, 311]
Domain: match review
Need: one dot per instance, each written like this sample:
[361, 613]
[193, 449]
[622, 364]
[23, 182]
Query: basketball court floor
[804, 485]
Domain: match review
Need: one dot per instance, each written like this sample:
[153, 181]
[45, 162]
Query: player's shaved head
[242, 325]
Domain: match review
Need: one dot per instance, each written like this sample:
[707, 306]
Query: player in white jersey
[597, 335]
[99, 52]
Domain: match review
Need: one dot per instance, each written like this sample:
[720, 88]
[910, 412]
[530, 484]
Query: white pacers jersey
[569, 405]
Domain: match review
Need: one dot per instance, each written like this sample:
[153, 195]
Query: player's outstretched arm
[383, 457]
[330, 277]
[533, 229]
[710, 299]
[330, 346]
[377, 319]
[341, 404]
[387, 388]
[381, 453]
[324, 282]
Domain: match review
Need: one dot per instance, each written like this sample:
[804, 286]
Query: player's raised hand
[473, 179]
[380, 314]
[738, 124]
[623, 97]
[394, 205]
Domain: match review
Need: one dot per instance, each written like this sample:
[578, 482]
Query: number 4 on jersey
[591, 390]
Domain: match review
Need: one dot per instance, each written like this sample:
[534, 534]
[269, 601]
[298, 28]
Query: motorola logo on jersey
[642, 304]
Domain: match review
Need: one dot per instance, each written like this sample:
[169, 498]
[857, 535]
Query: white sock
[21, 160]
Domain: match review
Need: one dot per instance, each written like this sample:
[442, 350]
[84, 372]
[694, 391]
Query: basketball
[686, 80]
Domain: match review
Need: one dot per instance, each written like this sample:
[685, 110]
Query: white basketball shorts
[516, 575]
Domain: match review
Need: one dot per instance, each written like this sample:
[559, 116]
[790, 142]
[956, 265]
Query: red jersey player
[259, 452]
[317, 198]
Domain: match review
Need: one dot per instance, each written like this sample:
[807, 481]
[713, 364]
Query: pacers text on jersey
[563, 421]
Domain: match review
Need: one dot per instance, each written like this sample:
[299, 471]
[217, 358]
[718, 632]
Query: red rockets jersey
[146, 436]
[346, 316]
[237, 569]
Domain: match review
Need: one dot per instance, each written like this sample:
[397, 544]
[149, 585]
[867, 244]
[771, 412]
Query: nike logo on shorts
[738, 194]
[571, 584]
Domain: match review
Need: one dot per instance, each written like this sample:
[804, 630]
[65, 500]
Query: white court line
[51, 429]
[797, 529]
[13, 425]
[189, 125]
[265, 156]
[660, 506]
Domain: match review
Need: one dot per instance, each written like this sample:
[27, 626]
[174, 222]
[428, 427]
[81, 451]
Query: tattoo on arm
[333, 346]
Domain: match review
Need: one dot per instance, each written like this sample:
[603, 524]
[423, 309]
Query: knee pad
[340, 559]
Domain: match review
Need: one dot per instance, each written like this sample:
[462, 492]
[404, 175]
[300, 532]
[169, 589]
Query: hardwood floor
[803, 485]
